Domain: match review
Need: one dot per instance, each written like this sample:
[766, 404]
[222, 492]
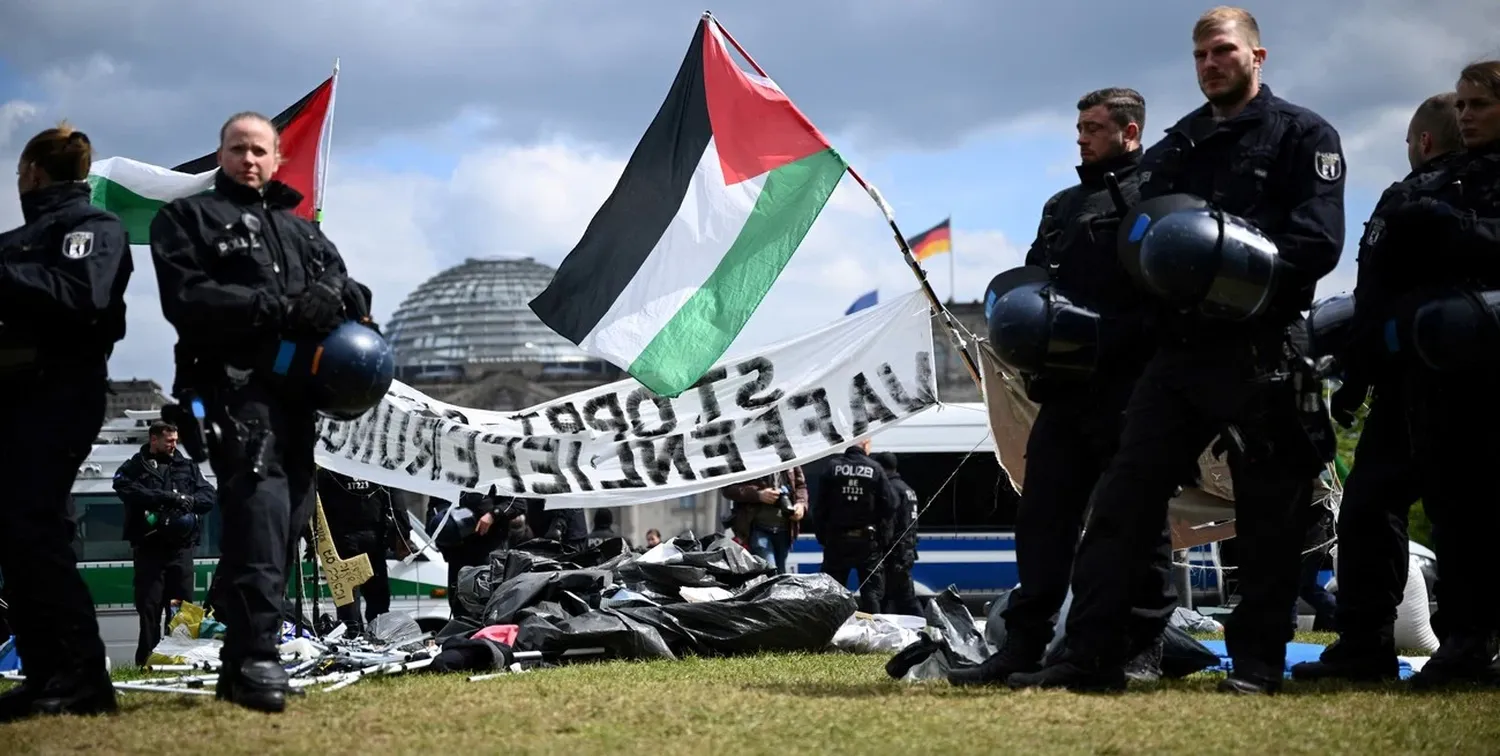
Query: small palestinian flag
[933, 241]
[715, 199]
[135, 191]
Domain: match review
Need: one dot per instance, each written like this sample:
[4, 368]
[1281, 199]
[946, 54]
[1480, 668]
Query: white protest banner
[622, 444]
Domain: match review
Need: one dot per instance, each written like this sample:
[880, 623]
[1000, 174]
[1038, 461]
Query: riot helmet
[1457, 331]
[1139, 219]
[1211, 260]
[179, 527]
[345, 374]
[1036, 329]
[1330, 326]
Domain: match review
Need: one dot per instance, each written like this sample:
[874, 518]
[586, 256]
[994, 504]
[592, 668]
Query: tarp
[622, 444]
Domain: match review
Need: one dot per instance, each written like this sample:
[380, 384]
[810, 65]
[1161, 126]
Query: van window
[980, 497]
[101, 528]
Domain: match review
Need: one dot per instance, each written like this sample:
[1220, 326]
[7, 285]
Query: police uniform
[855, 509]
[1423, 436]
[472, 549]
[1078, 425]
[900, 591]
[164, 497]
[358, 513]
[62, 304]
[1279, 167]
[239, 275]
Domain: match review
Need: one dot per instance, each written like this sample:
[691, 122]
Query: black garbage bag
[458, 627]
[508, 563]
[618, 633]
[474, 589]
[461, 654]
[994, 623]
[395, 628]
[792, 612]
[1183, 655]
[521, 591]
[958, 644]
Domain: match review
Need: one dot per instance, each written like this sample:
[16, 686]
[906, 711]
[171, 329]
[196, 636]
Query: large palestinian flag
[718, 195]
[135, 191]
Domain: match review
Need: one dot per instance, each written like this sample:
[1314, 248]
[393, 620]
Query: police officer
[359, 521]
[1434, 253]
[240, 276]
[1384, 482]
[566, 526]
[165, 495]
[485, 523]
[62, 305]
[1078, 425]
[1273, 173]
[855, 512]
[900, 591]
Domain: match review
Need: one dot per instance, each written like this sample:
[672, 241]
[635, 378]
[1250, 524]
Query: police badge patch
[78, 245]
[1373, 231]
[1330, 166]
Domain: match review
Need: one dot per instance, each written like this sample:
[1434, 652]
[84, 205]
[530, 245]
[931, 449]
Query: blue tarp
[1296, 653]
[9, 661]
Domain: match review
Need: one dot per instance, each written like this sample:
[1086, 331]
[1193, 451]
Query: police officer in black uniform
[165, 495]
[1078, 425]
[1428, 298]
[1384, 482]
[360, 520]
[241, 277]
[62, 305]
[1224, 367]
[900, 591]
[855, 513]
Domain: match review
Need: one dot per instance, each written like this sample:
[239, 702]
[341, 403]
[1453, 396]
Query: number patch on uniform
[1330, 166]
[78, 245]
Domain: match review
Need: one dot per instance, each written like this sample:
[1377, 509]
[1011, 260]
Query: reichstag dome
[473, 319]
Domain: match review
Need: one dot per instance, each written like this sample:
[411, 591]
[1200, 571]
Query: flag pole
[952, 251]
[890, 217]
[327, 146]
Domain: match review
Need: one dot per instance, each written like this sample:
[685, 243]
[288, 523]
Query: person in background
[566, 526]
[900, 591]
[359, 520]
[767, 514]
[604, 529]
[856, 512]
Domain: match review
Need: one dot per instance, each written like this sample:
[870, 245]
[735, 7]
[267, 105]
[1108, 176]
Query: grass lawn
[776, 704]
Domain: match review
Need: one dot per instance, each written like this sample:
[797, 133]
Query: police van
[104, 557]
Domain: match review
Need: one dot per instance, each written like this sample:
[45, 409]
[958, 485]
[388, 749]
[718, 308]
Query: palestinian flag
[135, 191]
[715, 199]
[933, 241]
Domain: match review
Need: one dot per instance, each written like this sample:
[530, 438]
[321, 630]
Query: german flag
[933, 241]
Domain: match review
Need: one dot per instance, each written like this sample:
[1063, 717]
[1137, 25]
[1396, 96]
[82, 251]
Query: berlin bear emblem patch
[78, 245]
[1330, 166]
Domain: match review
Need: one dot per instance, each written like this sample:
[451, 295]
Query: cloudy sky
[467, 128]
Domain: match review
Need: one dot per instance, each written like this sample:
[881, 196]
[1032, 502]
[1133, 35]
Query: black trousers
[900, 592]
[375, 594]
[1071, 442]
[1378, 495]
[1182, 400]
[48, 423]
[161, 575]
[263, 515]
[859, 552]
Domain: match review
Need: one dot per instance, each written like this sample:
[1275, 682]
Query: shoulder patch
[78, 245]
[1329, 165]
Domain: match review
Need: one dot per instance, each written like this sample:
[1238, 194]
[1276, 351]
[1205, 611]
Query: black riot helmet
[1139, 219]
[344, 375]
[1330, 325]
[1034, 328]
[1456, 331]
[1211, 260]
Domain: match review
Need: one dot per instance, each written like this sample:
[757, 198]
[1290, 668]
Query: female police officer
[62, 308]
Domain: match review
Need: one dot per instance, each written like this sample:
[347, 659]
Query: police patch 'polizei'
[78, 245]
[1330, 166]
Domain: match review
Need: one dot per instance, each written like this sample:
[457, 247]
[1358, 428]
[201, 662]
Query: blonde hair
[1225, 18]
[1484, 74]
[249, 115]
[63, 153]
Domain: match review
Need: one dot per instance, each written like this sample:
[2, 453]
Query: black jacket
[63, 276]
[904, 524]
[352, 505]
[854, 494]
[156, 483]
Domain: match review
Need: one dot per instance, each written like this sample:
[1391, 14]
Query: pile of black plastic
[633, 606]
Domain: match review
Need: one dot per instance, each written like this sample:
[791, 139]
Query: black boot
[1145, 667]
[1253, 677]
[85, 692]
[1015, 655]
[1460, 660]
[1075, 673]
[1353, 657]
[258, 685]
[17, 701]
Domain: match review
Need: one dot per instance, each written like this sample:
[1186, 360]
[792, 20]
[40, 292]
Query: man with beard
[1226, 366]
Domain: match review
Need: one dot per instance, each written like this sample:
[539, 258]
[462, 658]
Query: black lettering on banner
[575, 448]
[425, 442]
[564, 418]
[614, 422]
[720, 437]
[550, 465]
[631, 477]
[764, 372]
[822, 420]
[865, 404]
[909, 402]
[707, 397]
[335, 435]
[659, 461]
[505, 460]
[525, 422]
[388, 459]
[774, 435]
[666, 414]
[453, 414]
[368, 433]
[466, 454]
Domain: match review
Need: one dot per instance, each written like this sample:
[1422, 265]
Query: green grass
[776, 704]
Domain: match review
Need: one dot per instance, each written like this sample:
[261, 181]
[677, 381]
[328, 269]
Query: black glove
[1103, 228]
[1346, 401]
[317, 310]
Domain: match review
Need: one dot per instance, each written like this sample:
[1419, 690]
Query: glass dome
[477, 314]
